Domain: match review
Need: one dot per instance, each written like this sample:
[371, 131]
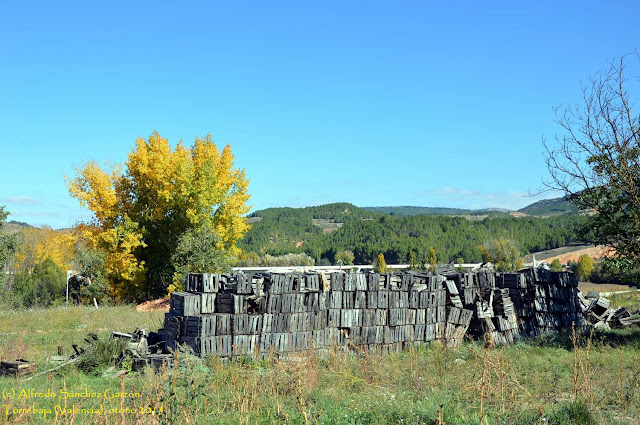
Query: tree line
[367, 234]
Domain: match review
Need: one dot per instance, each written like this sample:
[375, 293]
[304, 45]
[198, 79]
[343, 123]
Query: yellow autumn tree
[38, 244]
[140, 213]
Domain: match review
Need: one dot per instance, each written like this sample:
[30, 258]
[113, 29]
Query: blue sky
[370, 102]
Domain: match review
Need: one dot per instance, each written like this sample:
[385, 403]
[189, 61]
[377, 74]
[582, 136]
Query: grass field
[552, 380]
[587, 287]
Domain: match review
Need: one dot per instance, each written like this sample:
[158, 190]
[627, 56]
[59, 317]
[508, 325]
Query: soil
[161, 304]
[570, 253]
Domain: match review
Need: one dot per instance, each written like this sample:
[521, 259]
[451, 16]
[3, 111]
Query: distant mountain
[322, 231]
[411, 211]
[13, 226]
[550, 207]
[339, 212]
[543, 208]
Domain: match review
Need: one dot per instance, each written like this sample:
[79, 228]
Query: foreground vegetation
[558, 379]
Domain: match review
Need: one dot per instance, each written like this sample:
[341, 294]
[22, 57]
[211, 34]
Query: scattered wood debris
[18, 367]
[597, 312]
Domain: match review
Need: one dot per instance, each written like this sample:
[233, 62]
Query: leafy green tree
[460, 262]
[141, 213]
[584, 267]
[380, 265]
[414, 264]
[8, 243]
[555, 265]
[504, 254]
[596, 160]
[484, 252]
[286, 260]
[198, 251]
[346, 256]
[42, 287]
[432, 260]
[90, 280]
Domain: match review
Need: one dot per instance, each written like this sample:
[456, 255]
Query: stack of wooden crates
[231, 315]
[512, 306]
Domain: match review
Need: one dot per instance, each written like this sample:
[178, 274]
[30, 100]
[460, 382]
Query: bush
[287, 260]
[45, 285]
[103, 353]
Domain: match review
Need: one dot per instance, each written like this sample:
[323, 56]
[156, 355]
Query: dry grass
[571, 379]
[586, 287]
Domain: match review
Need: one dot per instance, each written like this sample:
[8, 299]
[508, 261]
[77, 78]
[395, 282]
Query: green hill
[322, 231]
[410, 211]
[550, 207]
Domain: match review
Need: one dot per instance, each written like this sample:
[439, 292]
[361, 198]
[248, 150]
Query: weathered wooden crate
[198, 326]
[221, 346]
[431, 314]
[336, 281]
[350, 282]
[244, 284]
[441, 314]
[245, 345]
[372, 300]
[398, 299]
[309, 283]
[453, 315]
[372, 335]
[348, 299]
[419, 332]
[383, 299]
[360, 300]
[246, 324]
[414, 299]
[184, 303]
[230, 303]
[172, 325]
[208, 302]
[350, 318]
[430, 332]
[398, 316]
[193, 282]
[17, 367]
[411, 316]
[333, 317]
[203, 282]
[393, 282]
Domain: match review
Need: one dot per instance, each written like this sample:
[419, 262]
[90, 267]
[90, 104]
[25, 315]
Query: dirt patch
[327, 225]
[161, 304]
[592, 251]
[570, 253]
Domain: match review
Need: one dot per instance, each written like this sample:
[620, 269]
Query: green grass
[630, 300]
[555, 380]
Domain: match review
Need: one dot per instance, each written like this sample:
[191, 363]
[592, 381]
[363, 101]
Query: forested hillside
[411, 210]
[367, 233]
[550, 207]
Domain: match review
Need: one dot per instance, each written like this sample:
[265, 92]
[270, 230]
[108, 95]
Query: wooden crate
[185, 303]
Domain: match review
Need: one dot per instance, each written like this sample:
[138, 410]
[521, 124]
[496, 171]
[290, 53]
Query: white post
[69, 274]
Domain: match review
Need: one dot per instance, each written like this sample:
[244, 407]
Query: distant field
[568, 253]
[327, 225]
[604, 287]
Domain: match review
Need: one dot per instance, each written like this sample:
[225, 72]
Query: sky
[376, 103]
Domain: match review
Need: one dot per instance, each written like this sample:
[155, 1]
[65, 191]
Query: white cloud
[466, 198]
[21, 200]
